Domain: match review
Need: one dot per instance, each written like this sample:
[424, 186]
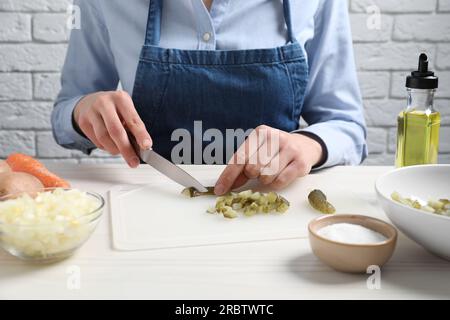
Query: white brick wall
[15, 27]
[33, 42]
[34, 5]
[384, 57]
[50, 27]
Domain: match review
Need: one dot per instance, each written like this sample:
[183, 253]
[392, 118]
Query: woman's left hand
[274, 157]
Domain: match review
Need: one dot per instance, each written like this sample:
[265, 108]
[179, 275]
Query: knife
[166, 167]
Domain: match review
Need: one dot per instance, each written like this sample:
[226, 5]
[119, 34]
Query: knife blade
[166, 167]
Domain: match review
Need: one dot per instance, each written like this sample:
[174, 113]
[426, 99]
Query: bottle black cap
[422, 78]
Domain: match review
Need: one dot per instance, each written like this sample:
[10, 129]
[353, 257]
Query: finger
[288, 175]
[240, 181]
[132, 120]
[118, 134]
[250, 146]
[237, 163]
[264, 155]
[252, 169]
[272, 170]
[227, 178]
[88, 130]
[102, 135]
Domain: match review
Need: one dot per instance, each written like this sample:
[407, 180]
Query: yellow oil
[417, 138]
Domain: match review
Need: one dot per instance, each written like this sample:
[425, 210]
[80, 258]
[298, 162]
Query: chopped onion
[51, 222]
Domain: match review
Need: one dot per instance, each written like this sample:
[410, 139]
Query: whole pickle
[318, 200]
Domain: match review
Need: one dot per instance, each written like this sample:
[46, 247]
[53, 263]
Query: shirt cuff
[340, 147]
[63, 128]
[319, 140]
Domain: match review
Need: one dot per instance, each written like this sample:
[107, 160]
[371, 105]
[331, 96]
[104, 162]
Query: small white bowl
[430, 230]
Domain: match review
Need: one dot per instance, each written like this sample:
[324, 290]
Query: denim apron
[237, 89]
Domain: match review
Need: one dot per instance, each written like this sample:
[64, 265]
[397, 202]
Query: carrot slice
[23, 163]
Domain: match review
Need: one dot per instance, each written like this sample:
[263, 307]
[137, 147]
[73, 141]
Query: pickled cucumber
[248, 202]
[191, 192]
[441, 206]
[318, 200]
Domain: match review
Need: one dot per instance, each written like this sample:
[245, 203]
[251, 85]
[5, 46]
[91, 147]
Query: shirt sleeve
[333, 105]
[89, 67]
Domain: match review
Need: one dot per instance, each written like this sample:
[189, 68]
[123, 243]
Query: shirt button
[206, 36]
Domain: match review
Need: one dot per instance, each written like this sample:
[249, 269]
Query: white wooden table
[284, 269]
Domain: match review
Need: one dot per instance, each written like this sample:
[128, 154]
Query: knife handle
[135, 145]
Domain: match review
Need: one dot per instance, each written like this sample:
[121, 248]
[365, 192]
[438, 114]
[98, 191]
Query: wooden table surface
[283, 269]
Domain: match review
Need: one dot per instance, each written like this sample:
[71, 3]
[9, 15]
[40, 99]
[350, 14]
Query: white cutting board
[157, 216]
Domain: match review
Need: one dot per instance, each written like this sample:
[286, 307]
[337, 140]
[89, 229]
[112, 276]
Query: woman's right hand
[103, 117]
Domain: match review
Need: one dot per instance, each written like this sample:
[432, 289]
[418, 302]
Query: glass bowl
[52, 240]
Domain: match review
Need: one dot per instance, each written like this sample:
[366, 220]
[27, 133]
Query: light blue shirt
[105, 51]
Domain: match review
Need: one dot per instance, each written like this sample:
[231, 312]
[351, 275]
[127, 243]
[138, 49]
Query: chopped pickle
[191, 192]
[252, 203]
[245, 194]
[248, 202]
[318, 200]
[229, 213]
[396, 196]
[237, 206]
[416, 204]
[211, 210]
[440, 206]
[283, 206]
[251, 210]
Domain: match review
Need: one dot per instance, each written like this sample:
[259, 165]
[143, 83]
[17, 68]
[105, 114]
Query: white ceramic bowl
[348, 257]
[430, 230]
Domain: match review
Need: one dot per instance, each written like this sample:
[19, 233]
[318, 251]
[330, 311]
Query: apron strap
[153, 33]
[288, 19]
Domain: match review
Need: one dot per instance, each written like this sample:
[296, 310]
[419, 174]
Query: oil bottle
[418, 124]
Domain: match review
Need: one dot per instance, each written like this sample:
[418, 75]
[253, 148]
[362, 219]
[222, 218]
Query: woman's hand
[103, 117]
[274, 157]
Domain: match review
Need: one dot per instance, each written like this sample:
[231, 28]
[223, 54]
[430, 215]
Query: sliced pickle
[247, 202]
[191, 192]
[440, 206]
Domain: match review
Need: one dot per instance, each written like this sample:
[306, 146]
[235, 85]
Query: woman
[253, 64]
